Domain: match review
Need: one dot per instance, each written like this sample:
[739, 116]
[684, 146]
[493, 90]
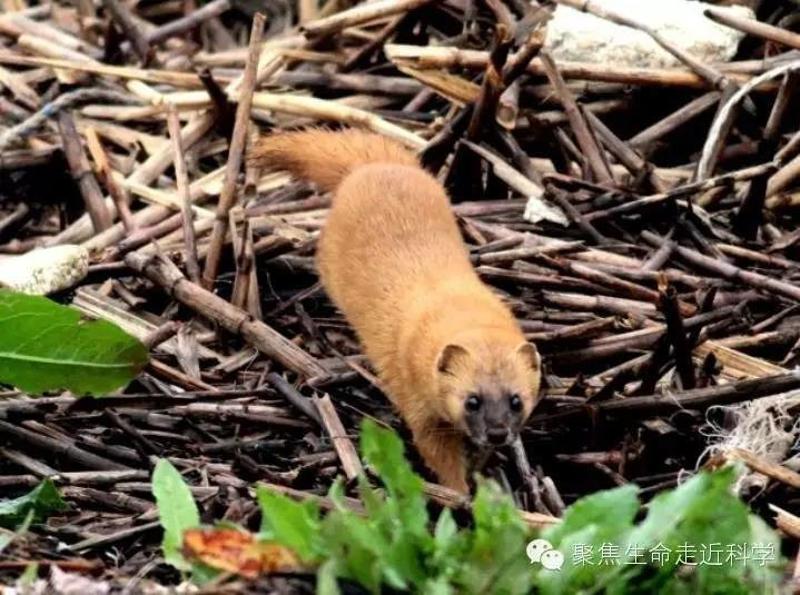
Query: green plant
[20, 513]
[45, 346]
[177, 511]
[394, 542]
[690, 528]
[41, 501]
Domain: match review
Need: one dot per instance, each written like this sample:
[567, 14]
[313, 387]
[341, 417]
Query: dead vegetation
[660, 279]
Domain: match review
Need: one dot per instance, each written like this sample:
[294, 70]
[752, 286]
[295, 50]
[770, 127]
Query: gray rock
[576, 36]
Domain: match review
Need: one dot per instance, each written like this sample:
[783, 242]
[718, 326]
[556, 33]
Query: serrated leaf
[496, 560]
[384, 451]
[45, 346]
[41, 501]
[177, 511]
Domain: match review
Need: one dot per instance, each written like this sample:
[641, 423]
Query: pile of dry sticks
[673, 287]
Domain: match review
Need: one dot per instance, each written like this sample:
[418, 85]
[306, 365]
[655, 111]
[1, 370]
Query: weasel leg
[443, 452]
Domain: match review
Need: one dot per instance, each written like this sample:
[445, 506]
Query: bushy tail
[326, 157]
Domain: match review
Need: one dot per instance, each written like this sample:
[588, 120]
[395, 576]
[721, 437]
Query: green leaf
[610, 513]
[8, 536]
[293, 524]
[439, 586]
[41, 501]
[357, 546]
[45, 346]
[29, 576]
[604, 517]
[177, 511]
[383, 450]
[446, 530]
[496, 561]
[202, 574]
[326, 579]
[697, 514]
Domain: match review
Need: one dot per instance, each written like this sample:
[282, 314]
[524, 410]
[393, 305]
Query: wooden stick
[699, 398]
[182, 181]
[205, 303]
[122, 16]
[754, 27]
[56, 446]
[761, 465]
[431, 57]
[579, 126]
[729, 271]
[681, 350]
[234, 164]
[146, 173]
[84, 64]
[334, 428]
[106, 174]
[82, 173]
[190, 21]
[362, 13]
[678, 118]
[727, 112]
[323, 109]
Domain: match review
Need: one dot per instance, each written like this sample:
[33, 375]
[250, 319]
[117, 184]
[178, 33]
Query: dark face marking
[493, 421]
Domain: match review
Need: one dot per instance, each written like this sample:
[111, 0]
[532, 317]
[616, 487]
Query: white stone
[576, 36]
[44, 270]
[537, 210]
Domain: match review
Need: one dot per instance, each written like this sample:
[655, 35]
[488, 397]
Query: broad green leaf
[694, 516]
[45, 346]
[610, 511]
[293, 524]
[41, 501]
[604, 517]
[177, 511]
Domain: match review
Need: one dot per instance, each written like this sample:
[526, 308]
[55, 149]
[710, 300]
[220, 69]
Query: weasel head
[488, 385]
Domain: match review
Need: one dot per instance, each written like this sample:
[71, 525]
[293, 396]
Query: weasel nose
[497, 436]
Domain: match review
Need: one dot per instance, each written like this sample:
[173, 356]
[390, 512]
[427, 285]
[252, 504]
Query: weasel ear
[529, 352]
[448, 358]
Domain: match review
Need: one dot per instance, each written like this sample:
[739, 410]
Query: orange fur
[392, 259]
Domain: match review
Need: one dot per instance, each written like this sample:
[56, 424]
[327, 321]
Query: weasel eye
[473, 403]
[515, 403]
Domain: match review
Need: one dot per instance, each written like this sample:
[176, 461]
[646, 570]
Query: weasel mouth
[493, 438]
